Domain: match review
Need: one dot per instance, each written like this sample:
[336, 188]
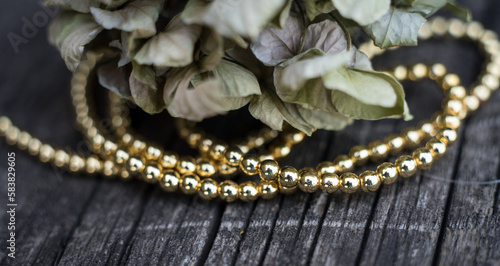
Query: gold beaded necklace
[126, 154]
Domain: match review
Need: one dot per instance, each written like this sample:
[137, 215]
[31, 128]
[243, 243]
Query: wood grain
[437, 217]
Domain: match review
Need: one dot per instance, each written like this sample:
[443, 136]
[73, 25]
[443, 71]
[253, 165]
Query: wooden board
[433, 218]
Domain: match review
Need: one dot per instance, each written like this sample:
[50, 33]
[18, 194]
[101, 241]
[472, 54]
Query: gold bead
[395, 143]
[419, 71]
[400, 72]
[412, 138]
[406, 166]
[217, 151]
[124, 174]
[457, 92]
[329, 183]
[474, 30]
[228, 190]
[437, 148]
[11, 135]
[379, 150]
[138, 146]
[452, 106]
[250, 164]
[233, 156]
[76, 163]
[490, 81]
[309, 181]
[205, 168]
[204, 145]
[325, 167]
[186, 165]
[288, 190]
[34, 146]
[449, 81]
[109, 168]
[46, 153]
[109, 148]
[209, 189]
[268, 170]
[343, 163]
[23, 140]
[169, 159]
[169, 181]
[424, 158]
[93, 165]
[439, 26]
[370, 181]
[188, 183]
[457, 28]
[151, 172]
[481, 92]
[427, 128]
[121, 156]
[387, 172]
[127, 139]
[451, 121]
[294, 137]
[61, 158]
[280, 148]
[349, 183]
[135, 164]
[288, 177]
[153, 153]
[425, 31]
[249, 191]
[360, 155]
[194, 138]
[447, 135]
[493, 70]
[437, 71]
[227, 170]
[5, 124]
[268, 189]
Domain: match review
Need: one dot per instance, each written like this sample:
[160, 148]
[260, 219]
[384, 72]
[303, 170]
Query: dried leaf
[363, 12]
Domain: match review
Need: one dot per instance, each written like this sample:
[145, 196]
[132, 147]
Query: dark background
[435, 217]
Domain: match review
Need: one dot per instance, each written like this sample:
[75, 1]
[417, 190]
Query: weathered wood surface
[65, 219]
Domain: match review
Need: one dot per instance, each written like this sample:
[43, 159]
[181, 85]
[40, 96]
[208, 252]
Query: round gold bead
[294, 137]
[205, 168]
[437, 71]
[23, 140]
[61, 158]
[424, 158]
[109, 168]
[5, 124]
[474, 30]
[121, 156]
[450, 120]
[227, 170]
[249, 191]
[452, 106]
[233, 156]
[126, 139]
[379, 150]
[329, 183]
[360, 154]
[472, 102]
[309, 181]
[425, 31]
[288, 177]
[135, 164]
[76, 163]
[194, 138]
[288, 190]
[343, 163]
[439, 26]
[490, 81]
[11, 135]
[457, 92]
[400, 72]
[123, 174]
[46, 153]
[387, 172]
[169, 181]
[419, 71]
[395, 143]
[370, 181]
[250, 164]
[138, 146]
[204, 145]
[349, 183]
[153, 153]
[209, 189]
[427, 128]
[109, 148]
[186, 165]
[268, 170]
[268, 189]
[412, 138]
[217, 151]
[228, 191]
[93, 165]
[325, 167]
[447, 136]
[450, 80]
[169, 160]
[189, 183]
[34, 146]
[481, 92]
[493, 70]
[151, 172]
[436, 147]
[457, 28]
[280, 148]
[406, 166]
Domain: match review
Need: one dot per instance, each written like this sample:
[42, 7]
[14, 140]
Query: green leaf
[137, 16]
[325, 120]
[426, 7]
[114, 78]
[396, 28]
[280, 19]
[235, 81]
[363, 12]
[461, 12]
[174, 47]
[233, 18]
[71, 32]
[143, 89]
[83, 6]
